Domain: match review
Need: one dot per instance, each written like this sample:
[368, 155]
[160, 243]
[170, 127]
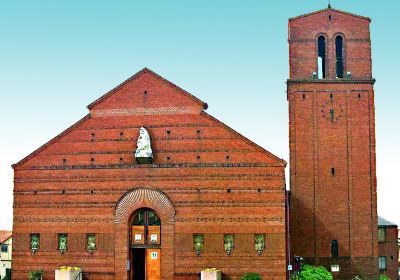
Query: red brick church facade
[209, 197]
[205, 178]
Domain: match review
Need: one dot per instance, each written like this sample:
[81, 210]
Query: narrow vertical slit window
[382, 263]
[321, 57]
[35, 241]
[229, 243]
[334, 249]
[381, 234]
[91, 242]
[339, 57]
[332, 114]
[198, 242]
[62, 241]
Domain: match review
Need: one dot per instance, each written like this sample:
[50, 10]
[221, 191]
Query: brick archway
[125, 207]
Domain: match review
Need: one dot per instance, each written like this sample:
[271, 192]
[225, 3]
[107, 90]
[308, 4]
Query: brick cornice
[327, 81]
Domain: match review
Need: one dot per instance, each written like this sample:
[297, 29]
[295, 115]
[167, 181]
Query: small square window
[4, 248]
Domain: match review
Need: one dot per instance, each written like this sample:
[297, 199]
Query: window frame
[325, 59]
[87, 242]
[382, 240]
[30, 241]
[259, 247]
[4, 246]
[198, 237]
[343, 55]
[150, 219]
[227, 236]
[59, 235]
[334, 248]
[380, 258]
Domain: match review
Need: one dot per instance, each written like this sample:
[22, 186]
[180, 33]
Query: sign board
[138, 237]
[154, 255]
[335, 268]
[153, 236]
[289, 267]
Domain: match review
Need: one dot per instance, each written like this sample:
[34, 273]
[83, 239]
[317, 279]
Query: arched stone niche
[129, 203]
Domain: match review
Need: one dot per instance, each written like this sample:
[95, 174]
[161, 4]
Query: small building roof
[385, 223]
[5, 235]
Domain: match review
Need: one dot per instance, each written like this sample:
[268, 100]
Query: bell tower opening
[321, 57]
[339, 57]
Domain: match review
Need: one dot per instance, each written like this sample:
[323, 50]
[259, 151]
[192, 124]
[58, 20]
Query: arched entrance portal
[145, 244]
[131, 203]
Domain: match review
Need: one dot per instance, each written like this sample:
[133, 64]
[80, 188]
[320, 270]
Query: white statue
[143, 150]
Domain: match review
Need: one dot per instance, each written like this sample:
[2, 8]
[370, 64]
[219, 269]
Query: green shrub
[309, 272]
[251, 276]
[35, 275]
[383, 277]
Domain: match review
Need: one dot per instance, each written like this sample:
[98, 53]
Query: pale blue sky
[56, 57]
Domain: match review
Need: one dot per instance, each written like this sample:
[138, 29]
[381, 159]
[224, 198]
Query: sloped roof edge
[5, 235]
[329, 9]
[385, 223]
[135, 76]
[41, 148]
[281, 161]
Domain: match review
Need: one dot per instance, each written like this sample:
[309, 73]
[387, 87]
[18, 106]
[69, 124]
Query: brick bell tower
[332, 143]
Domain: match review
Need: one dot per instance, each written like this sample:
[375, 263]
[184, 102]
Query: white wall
[5, 258]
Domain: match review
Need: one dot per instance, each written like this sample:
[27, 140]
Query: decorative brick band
[146, 111]
[151, 178]
[62, 219]
[143, 197]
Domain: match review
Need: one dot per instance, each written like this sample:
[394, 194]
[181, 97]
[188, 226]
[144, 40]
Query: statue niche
[144, 154]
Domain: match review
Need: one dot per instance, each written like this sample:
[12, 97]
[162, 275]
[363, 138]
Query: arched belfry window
[321, 57]
[339, 56]
[334, 249]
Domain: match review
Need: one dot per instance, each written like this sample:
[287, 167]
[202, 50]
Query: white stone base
[68, 274]
[211, 275]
